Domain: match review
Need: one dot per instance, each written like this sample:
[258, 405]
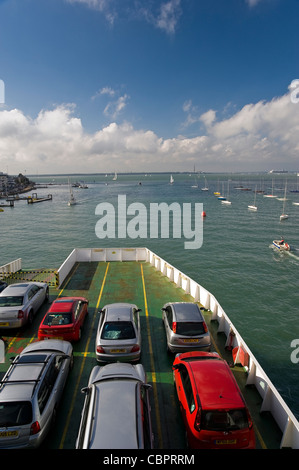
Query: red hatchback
[212, 406]
[64, 319]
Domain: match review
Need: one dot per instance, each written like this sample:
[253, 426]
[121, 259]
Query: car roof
[15, 289]
[215, 383]
[19, 288]
[62, 305]
[119, 311]
[22, 380]
[187, 311]
[116, 428]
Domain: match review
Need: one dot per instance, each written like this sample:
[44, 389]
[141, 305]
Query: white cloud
[165, 18]
[259, 136]
[103, 6]
[169, 15]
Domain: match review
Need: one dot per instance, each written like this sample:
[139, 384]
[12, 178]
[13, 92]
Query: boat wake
[293, 253]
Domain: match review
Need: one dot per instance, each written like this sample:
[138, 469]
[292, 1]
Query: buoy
[203, 214]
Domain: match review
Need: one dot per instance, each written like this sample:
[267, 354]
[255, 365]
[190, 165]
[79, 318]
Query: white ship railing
[271, 399]
[11, 267]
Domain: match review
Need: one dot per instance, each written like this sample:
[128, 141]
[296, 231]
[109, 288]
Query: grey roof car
[116, 412]
[118, 335]
[20, 302]
[30, 392]
[185, 327]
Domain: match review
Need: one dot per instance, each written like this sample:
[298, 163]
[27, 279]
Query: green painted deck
[138, 283]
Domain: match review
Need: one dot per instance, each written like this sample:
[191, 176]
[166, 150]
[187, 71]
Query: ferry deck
[136, 282]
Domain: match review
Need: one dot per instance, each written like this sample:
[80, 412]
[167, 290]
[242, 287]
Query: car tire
[47, 296]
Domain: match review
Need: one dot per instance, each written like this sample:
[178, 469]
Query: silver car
[30, 393]
[118, 335]
[185, 327]
[20, 302]
[116, 412]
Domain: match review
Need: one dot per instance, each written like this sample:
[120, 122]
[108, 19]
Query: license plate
[115, 351]
[225, 441]
[4, 434]
[191, 340]
[4, 324]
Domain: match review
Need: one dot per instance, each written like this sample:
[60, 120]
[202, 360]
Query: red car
[64, 319]
[212, 406]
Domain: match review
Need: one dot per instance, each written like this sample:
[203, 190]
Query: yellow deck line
[152, 364]
[82, 365]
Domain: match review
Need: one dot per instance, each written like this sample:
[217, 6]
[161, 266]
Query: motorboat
[281, 245]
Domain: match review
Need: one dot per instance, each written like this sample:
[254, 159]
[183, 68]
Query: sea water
[256, 285]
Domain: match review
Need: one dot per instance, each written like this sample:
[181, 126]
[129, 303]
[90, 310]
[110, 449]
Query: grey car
[118, 335]
[20, 302]
[30, 393]
[116, 412]
[185, 327]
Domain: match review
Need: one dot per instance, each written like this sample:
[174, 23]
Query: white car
[30, 393]
[20, 302]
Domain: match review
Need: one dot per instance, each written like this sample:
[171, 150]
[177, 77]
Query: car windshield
[54, 319]
[226, 420]
[11, 301]
[190, 328]
[15, 413]
[118, 330]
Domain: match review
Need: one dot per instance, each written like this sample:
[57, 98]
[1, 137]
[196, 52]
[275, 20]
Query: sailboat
[226, 201]
[283, 215]
[114, 177]
[221, 197]
[206, 188]
[171, 179]
[195, 185]
[253, 207]
[217, 193]
[270, 195]
[72, 200]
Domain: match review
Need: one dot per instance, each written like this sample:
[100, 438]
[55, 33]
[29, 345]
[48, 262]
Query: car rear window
[55, 319]
[190, 328]
[118, 330]
[224, 420]
[15, 413]
[11, 301]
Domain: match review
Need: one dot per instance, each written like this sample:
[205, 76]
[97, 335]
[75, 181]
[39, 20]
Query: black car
[2, 285]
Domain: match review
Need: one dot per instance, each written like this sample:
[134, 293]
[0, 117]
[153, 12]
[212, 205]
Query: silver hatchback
[20, 302]
[185, 327]
[31, 391]
[118, 335]
[116, 412]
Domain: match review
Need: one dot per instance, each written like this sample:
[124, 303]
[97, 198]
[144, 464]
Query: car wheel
[47, 296]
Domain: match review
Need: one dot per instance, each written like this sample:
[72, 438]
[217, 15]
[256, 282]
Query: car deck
[139, 283]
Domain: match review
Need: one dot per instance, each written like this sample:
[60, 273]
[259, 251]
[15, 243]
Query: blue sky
[149, 85]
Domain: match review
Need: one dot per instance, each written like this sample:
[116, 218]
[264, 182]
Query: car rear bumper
[118, 357]
[176, 348]
[11, 323]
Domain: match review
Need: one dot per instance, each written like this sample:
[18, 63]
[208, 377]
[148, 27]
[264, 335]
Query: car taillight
[135, 348]
[100, 350]
[20, 314]
[35, 428]
[197, 420]
[205, 327]
[250, 423]
[174, 326]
